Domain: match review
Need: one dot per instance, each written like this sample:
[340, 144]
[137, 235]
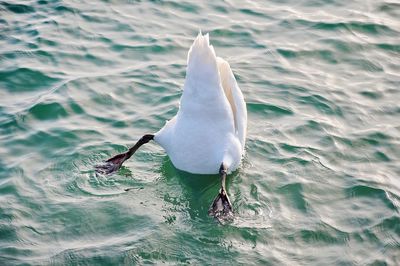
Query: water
[83, 80]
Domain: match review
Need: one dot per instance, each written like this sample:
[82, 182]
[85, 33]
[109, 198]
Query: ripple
[48, 111]
[376, 138]
[18, 8]
[327, 55]
[155, 48]
[357, 26]
[372, 94]
[322, 104]
[389, 47]
[294, 196]
[269, 109]
[391, 8]
[25, 79]
[370, 192]
[63, 7]
[321, 236]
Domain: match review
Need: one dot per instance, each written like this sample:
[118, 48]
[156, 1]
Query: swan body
[208, 133]
[210, 126]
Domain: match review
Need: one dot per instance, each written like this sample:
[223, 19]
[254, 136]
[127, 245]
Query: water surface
[81, 81]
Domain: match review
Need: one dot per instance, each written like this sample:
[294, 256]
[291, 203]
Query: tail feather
[202, 70]
[201, 51]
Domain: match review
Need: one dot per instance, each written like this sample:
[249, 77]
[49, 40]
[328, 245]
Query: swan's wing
[235, 98]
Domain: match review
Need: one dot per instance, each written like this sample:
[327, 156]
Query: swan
[208, 133]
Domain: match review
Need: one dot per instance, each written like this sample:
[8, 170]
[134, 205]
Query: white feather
[210, 126]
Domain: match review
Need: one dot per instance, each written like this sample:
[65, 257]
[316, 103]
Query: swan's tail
[202, 67]
[201, 51]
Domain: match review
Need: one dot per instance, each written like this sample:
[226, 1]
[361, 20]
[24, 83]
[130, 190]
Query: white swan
[207, 135]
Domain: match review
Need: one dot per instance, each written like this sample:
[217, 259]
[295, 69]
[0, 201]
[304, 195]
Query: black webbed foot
[111, 165]
[221, 208]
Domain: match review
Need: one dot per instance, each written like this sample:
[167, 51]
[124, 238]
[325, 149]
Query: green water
[83, 80]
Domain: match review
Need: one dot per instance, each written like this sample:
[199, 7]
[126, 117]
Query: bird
[208, 133]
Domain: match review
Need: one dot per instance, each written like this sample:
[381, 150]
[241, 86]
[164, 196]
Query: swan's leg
[114, 163]
[221, 208]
